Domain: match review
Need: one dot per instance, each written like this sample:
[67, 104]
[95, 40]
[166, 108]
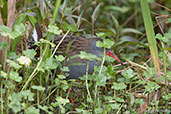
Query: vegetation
[139, 32]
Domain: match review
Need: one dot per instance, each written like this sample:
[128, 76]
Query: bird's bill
[111, 54]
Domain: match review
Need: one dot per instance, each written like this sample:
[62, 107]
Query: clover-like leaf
[62, 100]
[15, 76]
[29, 53]
[60, 58]
[128, 73]
[47, 42]
[49, 64]
[20, 28]
[15, 99]
[39, 88]
[28, 95]
[54, 29]
[5, 31]
[118, 86]
[13, 64]
[3, 74]
[107, 43]
[88, 56]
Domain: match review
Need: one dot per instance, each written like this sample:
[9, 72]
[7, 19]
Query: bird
[77, 45]
[73, 45]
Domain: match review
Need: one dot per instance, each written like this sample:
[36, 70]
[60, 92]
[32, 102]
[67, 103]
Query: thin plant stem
[2, 106]
[87, 80]
[59, 43]
[101, 67]
[5, 57]
[32, 75]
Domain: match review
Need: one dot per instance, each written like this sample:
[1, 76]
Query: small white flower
[23, 60]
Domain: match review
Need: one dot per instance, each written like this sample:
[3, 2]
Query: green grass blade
[150, 34]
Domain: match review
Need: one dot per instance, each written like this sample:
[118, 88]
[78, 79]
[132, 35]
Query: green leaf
[88, 56]
[118, 86]
[5, 31]
[65, 69]
[150, 72]
[54, 29]
[101, 80]
[151, 86]
[20, 28]
[28, 95]
[39, 88]
[29, 53]
[62, 100]
[3, 74]
[64, 87]
[95, 12]
[49, 64]
[21, 18]
[13, 64]
[107, 43]
[45, 108]
[15, 76]
[3, 45]
[122, 9]
[168, 20]
[45, 42]
[119, 99]
[57, 81]
[69, 27]
[98, 110]
[60, 58]
[128, 73]
[32, 110]
[131, 30]
[82, 111]
[15, 104]
[115, 106]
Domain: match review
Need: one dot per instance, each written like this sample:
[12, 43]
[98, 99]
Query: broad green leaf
[13, 64]
[39, 88]
[107, 43]
[46, 42]
[15, 100]
[115, 106]
[15, 76]
[118, 86]
[151, 86]
[88, 56]
[128, 73]
[66, 27]
[60, 58]
[5, 31]
[20, 28]
[101, 80]
[21, 19]
[29, 53]
[3, 74]
[49, 64]
[54, 29]
[62, 100]
[32, 110]
[28, 95]
[3, 45]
